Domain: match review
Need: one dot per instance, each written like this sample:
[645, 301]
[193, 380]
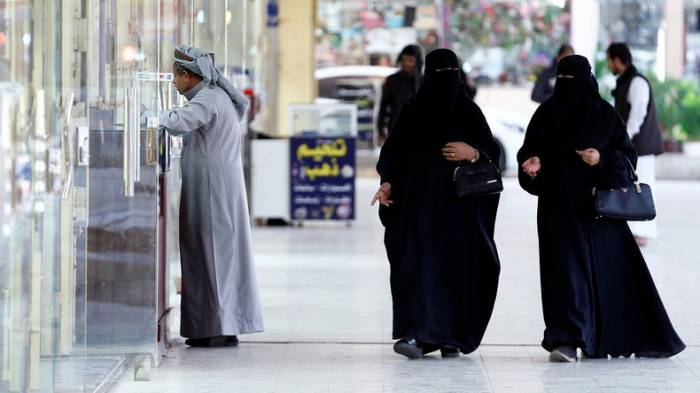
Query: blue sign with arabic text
[322, 178]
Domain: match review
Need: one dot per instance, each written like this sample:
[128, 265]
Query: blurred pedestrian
[544, 87]
[444, 263]
[634, 101]
[398, 87]
[470, 86]
[219, 290]
[597, 293]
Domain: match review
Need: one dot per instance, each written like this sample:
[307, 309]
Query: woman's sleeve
[484, 143]
[618, 157]
[392, 158]
[383, 105]
[532, 146]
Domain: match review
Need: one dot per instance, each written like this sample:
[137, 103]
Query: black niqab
[574, 95]
[442, 83]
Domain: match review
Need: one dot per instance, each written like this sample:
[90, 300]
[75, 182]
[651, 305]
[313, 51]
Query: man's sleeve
[383, 106]
[189, 118]
[638, 97]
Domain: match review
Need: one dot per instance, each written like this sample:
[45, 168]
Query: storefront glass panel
[89, 185]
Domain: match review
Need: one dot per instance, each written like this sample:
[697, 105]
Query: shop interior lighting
[129, 54]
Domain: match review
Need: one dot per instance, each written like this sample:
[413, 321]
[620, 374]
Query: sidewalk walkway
[328, 316]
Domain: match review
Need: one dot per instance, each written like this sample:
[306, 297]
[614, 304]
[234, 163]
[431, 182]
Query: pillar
[674, 40]
[296, 59]
[585, 25]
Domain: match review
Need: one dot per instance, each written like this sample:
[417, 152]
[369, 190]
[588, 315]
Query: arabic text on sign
[336, 149]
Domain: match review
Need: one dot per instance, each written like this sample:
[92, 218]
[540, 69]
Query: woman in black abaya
[597, 292]
[444, 264]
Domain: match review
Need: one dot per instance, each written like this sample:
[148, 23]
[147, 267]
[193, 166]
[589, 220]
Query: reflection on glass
[84, 264]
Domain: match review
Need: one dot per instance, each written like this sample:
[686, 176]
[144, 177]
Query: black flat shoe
[207, 342]
[408, 347]
[231, 341]
[449, 351]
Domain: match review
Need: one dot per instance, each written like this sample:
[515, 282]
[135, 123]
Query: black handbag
[631, 203]
[478, 178]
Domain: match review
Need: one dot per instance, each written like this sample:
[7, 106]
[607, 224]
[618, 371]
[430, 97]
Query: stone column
[296, 58]
[585, 26]
[674, 26]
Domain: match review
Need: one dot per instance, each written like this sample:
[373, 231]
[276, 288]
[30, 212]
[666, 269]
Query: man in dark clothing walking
[634, 101]
[398, 87]
[544, 87]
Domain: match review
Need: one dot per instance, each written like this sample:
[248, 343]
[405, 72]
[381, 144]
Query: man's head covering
[442, 82]
[202, 65]
[574, 95]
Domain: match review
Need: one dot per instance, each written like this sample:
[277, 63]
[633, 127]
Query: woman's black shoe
[408, 347]
[449, 351]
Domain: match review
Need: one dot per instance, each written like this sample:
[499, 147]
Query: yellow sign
[323, 170]
[336, 149]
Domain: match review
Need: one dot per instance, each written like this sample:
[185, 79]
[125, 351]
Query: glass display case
[326, 120]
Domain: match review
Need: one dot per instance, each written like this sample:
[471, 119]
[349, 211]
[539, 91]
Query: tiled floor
[327, 312]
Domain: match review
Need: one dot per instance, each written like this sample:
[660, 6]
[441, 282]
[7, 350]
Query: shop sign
[322, 178]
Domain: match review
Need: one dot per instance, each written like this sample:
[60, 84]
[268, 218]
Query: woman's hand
[589, 156]
[383, 195]
[458, 151]
[532, 166]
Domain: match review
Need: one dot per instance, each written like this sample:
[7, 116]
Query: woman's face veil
[442, 80]
[576, 85]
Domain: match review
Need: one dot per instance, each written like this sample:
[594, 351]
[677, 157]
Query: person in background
[634, 101]
[219, 289]
[398, 87]
[597, 293]
[544, 87]
[430, 41]
[470, 86]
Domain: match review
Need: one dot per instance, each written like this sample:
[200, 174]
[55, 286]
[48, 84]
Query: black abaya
[444, 263]
[597, 292]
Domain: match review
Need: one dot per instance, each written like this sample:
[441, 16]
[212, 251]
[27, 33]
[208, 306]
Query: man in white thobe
[219, 289]
[634, 101]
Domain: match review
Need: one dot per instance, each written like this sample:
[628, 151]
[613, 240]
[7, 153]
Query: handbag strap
[634, 176]
[633, 172]
[482, 154]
